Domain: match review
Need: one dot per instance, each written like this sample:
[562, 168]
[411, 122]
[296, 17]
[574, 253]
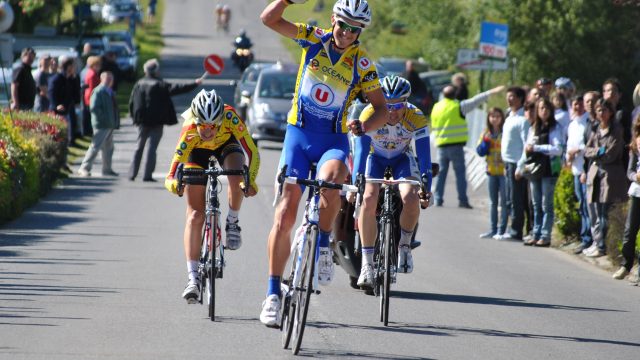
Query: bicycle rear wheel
[303, 295]
[388, 264]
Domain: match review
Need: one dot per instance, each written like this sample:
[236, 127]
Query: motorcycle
[242, 56]
[346, 245]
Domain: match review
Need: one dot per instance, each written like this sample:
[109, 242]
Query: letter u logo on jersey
[321, 95]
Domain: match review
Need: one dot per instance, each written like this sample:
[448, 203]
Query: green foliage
[566, 206]
[586, 40]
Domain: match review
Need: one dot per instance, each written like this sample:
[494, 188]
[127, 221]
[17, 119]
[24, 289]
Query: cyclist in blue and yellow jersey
[390, 145]
[333, 69]
[211, 128]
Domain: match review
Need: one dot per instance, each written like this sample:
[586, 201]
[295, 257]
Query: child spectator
[576, 143]
[489, 146]
[632, 224]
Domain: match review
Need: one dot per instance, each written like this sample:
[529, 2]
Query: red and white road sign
[213, 64]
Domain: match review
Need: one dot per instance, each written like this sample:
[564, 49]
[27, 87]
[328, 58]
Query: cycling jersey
[232, 126]
[393, 142]
[324, 90]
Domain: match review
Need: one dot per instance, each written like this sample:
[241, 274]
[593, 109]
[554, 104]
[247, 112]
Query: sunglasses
[348, 28]
[396, 106]
[207, 126]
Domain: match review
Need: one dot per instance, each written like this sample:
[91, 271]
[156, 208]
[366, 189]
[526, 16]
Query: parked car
[271, 102]
[118, 10]
[121, 36]
[126, 59]
[434, 81]
[5, 87]
[397, 66]
[245, 87]
[99, 43]
[55, 52]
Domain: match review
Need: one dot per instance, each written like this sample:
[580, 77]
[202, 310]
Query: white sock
[192, 268]
[405, 237]
[367, 258]
[232, 216]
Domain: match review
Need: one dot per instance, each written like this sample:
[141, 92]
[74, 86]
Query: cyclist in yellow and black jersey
[211, 128]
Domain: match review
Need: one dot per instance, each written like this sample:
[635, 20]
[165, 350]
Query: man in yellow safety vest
[449, 128]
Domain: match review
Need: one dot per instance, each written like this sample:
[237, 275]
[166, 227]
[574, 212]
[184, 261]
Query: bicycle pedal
[415, 244]
[317, 292]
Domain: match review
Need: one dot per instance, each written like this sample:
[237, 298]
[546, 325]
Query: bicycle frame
[212, 261]
[303, 280]
[386, 251]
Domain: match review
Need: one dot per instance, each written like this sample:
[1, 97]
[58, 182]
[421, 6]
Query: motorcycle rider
[242, 55]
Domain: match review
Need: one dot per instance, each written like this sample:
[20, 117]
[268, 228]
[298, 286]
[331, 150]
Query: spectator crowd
[58, 87]
[547, 127]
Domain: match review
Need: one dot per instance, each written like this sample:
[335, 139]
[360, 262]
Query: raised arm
[380, 115]
[272, 17]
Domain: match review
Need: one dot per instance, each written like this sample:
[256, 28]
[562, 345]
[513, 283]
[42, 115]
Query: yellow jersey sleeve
[234, 124]
[308, 34]
[186, 143]
[369, 79]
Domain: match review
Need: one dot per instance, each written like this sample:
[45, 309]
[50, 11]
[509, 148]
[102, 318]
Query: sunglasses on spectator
[396, 106]
[348, 28]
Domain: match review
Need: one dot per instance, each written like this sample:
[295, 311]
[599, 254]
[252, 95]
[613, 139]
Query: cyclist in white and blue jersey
[390, 146]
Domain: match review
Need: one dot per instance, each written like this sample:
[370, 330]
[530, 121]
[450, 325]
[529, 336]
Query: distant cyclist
[390, 145]
[333, 69]
[223, 15]
[211, 128]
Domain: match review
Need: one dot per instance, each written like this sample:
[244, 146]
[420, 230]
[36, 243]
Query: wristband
[287, 2]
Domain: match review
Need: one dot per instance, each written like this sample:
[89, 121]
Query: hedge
[32, 151]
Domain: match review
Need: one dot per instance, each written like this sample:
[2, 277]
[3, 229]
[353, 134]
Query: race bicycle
[303, 279]
[386, 248]
[212, 262]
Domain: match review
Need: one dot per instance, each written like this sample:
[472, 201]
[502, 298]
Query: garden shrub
[32, 149]
[566, 206]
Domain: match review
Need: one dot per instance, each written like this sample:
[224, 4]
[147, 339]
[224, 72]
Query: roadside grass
[76, 151]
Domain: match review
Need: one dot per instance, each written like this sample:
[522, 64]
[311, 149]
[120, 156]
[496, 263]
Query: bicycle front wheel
[388, 264]
[307, 265]
[212, 248]
[288, 305]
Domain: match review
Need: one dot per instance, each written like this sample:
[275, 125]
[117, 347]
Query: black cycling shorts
[201, 157]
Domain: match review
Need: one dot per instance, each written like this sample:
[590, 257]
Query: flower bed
[32, 152]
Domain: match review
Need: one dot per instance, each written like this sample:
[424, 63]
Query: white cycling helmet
[395, 87]
[356, 10]
[208, 107]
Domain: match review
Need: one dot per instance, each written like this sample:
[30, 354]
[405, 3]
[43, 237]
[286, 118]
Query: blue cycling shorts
[403, 166]
[302, 147]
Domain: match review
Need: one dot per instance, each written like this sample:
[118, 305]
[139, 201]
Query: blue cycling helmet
[396, 87]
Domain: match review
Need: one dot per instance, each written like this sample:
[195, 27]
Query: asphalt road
[96, 269]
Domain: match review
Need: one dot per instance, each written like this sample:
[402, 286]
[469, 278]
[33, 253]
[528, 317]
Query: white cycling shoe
[191, 293]
[326, 269]
[365, 280]
[234, 238]
[270, 315]
[405, 259]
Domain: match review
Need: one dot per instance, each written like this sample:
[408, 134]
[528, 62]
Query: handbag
[532, 171]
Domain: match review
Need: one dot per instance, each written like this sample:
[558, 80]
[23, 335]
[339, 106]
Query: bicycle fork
[302, 242]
